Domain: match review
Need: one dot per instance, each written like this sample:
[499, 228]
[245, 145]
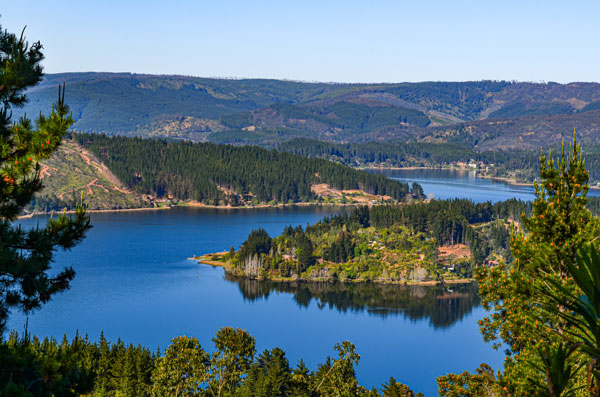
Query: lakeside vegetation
[543, 308]
[521, 166]
[226, 175]
[438, 241]
[72, 173]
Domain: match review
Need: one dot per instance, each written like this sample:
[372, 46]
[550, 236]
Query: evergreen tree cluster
[340, 250]
[448, 221]
[221, 174]
[30, 367]
[257, 243]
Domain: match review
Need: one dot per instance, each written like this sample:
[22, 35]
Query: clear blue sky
[326, 40]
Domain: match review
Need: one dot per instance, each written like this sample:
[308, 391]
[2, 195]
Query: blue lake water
[134, 281]
[447, 184]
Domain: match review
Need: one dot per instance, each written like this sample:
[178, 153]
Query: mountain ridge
[268, 111]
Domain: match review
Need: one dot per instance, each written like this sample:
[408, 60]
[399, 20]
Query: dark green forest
[341, 115]
[33, 367]
[221, 174]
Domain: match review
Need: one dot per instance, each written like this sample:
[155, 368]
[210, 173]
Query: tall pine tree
[26, 255]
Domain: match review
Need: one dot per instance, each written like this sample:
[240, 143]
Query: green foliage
[258, 243]
[341, 250]
[231, 361]
[392, 243]
[580, 311]
[352, 118]
[182, 370]
[270, 375]
[337, 377]
[216, 174]
[540, 352]
[396, 389]
[518, 109]
[554, 362]
[25, 255]
[50, 368]
[72, 173]
[482, 383]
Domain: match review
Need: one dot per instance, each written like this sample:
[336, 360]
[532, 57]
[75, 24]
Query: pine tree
[300, 380]
[394, 388]
[25, 255]
[268, 376]
[543, 249]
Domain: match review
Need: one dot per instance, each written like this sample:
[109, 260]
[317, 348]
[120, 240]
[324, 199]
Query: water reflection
[442, 306]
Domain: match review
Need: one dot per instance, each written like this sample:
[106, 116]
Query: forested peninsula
[223, 175]
[419, 243]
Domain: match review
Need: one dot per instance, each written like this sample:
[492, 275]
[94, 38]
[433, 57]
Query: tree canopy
[26, 255]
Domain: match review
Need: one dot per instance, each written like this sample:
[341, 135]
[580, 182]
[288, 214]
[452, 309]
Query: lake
[447, 184]
[134, 281]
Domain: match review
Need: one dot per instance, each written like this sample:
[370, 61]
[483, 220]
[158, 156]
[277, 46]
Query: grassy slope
[73, 171]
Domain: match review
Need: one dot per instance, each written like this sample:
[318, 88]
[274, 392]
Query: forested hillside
[483, 115]
[179, 106]
[227, 175]
[518, 164]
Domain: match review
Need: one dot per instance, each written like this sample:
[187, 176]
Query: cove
[448, 184]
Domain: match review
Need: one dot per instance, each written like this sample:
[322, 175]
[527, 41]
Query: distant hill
[482, 114]
[187, 107]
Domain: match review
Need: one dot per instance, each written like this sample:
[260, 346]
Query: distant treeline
[407, 154]
[221, 174]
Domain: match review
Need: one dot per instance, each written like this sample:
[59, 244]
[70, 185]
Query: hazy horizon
[316, 81]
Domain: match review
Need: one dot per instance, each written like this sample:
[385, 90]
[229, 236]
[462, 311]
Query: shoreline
[202, 205]
[508, 181]
[410, 168]
[37, 213]
[202, 259]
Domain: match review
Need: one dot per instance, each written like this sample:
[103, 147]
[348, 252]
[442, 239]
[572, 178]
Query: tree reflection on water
[443, 306]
